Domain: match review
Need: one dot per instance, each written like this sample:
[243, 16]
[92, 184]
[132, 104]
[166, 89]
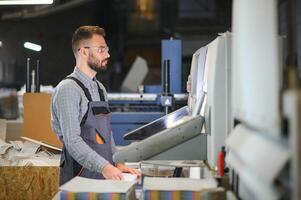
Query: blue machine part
[172, 50]
[124, 122]
[166, 101]
[153, 89]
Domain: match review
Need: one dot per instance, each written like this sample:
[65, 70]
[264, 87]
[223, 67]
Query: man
[80, 113]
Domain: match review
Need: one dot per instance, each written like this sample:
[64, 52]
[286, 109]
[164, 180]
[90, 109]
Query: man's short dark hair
[85, 33]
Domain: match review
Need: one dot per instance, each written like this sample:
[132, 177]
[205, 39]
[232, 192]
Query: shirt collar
[82, 76]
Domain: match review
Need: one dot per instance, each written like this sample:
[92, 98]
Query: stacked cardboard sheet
[85, 188]
[176, 188]
[18, 153]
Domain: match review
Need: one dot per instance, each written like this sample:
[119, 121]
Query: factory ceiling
[31, 11]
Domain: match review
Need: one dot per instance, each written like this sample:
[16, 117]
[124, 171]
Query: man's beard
[95, 64]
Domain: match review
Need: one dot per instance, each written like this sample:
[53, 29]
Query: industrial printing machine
[238, 100]
[189, 139]
[178, 135]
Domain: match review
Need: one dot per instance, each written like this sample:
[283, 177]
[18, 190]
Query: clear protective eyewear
[100, 49]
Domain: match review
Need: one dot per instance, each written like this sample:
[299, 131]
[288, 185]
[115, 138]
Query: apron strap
[87, 94]
[80, 84]
[100, 91]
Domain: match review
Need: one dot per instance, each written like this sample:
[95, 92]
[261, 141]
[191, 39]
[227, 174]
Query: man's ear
[83, 52]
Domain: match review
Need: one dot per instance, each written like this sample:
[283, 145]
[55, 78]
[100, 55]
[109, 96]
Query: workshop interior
[204, 96]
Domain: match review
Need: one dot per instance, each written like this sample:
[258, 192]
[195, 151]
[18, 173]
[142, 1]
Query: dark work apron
[95, 131]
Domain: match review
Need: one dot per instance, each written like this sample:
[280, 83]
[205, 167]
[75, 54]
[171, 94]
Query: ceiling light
[25, 2]
[32, 46]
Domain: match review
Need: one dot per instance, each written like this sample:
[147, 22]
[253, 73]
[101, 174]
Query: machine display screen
[157, 126]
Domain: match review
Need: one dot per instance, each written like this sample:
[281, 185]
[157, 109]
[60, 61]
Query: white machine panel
[198, 80]
[217, 112]
[256, 79]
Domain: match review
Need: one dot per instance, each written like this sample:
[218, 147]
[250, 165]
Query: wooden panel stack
[28, 182]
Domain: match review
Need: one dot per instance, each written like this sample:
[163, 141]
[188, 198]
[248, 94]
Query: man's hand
[111, 172]
[131, 170]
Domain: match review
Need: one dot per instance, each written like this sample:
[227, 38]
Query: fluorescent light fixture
[32, 46]
[1, 43]
[25, 2]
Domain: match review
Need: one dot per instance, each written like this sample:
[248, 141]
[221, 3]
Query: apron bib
[95, 131]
